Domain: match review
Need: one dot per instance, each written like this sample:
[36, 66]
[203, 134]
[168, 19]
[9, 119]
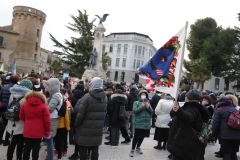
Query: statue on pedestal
[93, 57]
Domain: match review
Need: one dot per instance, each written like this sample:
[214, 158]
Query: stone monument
[95, 62]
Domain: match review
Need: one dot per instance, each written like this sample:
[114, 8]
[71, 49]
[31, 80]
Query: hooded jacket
[17, 91]
[220, 120]
[142, 114]
[35, 114]
[116, 100]
[182, 141]
[90, 117]
[132, 97]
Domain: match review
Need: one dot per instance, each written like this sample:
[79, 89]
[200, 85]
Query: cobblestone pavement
[122, 152]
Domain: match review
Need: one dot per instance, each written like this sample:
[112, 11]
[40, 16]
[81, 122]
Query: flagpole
[183, 50]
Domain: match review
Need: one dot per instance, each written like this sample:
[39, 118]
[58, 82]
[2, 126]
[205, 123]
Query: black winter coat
[5, 95]
[182, 142]
[90, 118]
[115, 102]
[154, 101]
[132, 97]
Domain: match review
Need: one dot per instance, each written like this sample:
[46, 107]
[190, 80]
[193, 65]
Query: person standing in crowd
[15, 128]
[54, 103]
[132, 97]
[142, 124]
[117, 99]
[4, 98]
[35, 114]
[162, 111]
[230, 138]
[182, 143]
[63, 128]
[182, 96]
[90, 119]
[207, 102]
[78, 93]
[154, 101]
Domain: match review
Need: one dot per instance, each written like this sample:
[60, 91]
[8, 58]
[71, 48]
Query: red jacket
[35, 114]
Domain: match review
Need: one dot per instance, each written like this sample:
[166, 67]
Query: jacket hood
[233, 98]
[19, 90]
[80, 87]
[203, 110]
[35, 98]
[119, 98]
[96, 83]
[224, 102]
[133, 93]
[142, 91]
[53, 85]
[98, 94]
[78, 93]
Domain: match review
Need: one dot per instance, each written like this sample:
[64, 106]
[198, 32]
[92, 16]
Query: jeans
[31, 144]
[83, 152]
[19, 141]
[50, 148]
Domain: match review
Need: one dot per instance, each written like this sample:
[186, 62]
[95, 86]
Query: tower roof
[146, 36]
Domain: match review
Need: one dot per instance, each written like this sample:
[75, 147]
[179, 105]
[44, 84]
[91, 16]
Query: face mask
[204, 102]
[143, 97]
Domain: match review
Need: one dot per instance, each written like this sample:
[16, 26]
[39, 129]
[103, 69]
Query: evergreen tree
[56, 66]
[76, 52]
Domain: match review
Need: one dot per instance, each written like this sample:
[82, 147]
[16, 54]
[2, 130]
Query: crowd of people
[57, 114]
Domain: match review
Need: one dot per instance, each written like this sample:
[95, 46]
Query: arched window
[217, 80]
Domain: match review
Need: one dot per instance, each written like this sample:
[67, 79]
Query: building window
[142, 63]
[38, 32]
[111, 48]
[103, 48]
[123, 76]
[143, 51]
[150, 53]
[117, 62]
[124, 62]
[135, 50]
[35, 57]
[119, 48]
[1, 41]
[110, 62]
[226, 85]
[138, 63]
[36, 46]
[116, 76]
[139, 50]
[0, 56]
[217, 80]
[125, 48]
[40, 54]
[134, 63]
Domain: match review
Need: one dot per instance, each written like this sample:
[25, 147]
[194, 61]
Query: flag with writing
[165, 67]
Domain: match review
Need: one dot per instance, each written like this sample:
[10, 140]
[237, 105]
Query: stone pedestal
[90, 73]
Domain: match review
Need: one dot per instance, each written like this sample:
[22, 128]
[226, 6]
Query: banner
[165, 67]
[65, 75]
[14, 66]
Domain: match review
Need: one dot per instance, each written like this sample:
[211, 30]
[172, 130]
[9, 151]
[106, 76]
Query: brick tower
[28, 22]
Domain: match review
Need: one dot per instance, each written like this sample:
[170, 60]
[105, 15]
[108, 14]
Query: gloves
[47, 135]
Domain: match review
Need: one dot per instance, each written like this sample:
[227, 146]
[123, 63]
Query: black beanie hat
[194, 95]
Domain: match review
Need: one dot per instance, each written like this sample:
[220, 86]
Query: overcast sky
[156, 18]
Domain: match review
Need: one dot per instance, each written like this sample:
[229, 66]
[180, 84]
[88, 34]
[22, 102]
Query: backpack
[62, 110]
[13, 109]
[234, 118]
[123, 114]
[203, 135]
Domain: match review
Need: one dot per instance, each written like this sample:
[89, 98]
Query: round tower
[28, 22]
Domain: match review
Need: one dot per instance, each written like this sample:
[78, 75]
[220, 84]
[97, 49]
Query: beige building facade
[21, 41]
